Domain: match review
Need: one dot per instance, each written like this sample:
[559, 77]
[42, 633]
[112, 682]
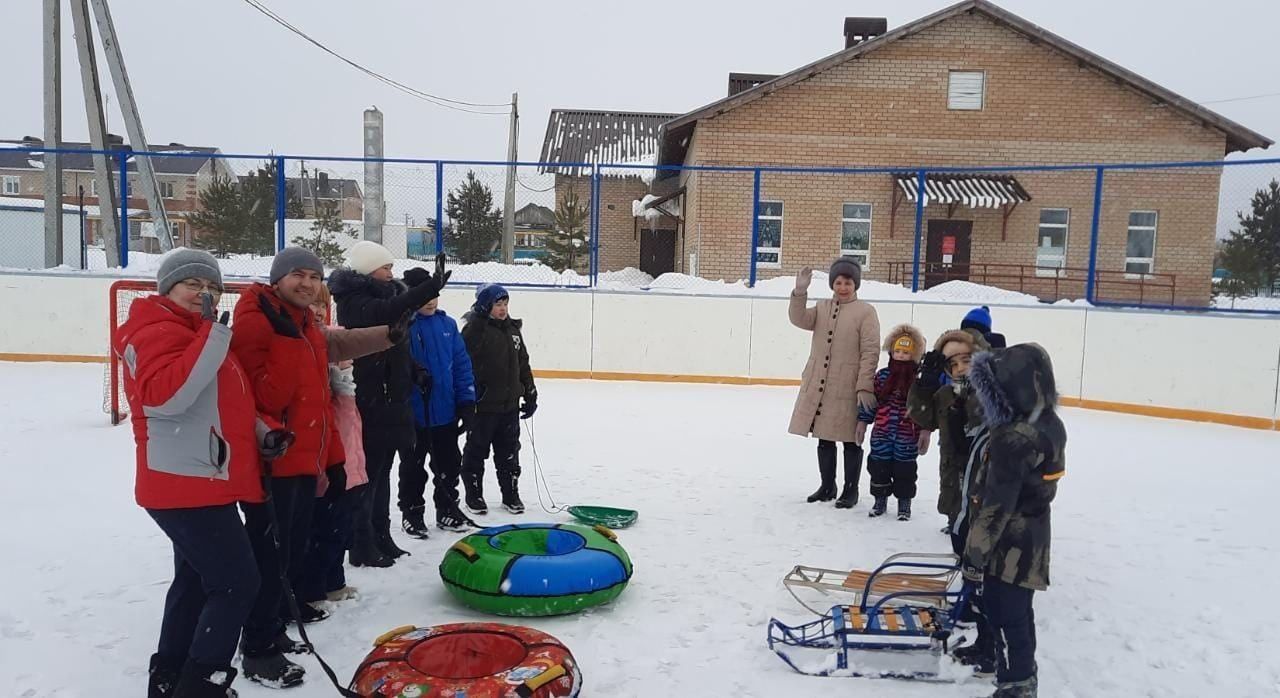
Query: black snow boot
[904, 509]
[272, 671]
[309, 614]
[413, 524]
[162, 677]
[387, 546]
[364, 553]
[511, 497]
[454, 520]
[879, 508]
[827, 469]
[474, 495]
[287, 645]
[1018, 689]
[852, 471]
[982, 659]
[200, 681]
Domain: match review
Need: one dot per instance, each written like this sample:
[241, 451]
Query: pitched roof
[535, 216]
[174, 165]
[1239, 138]
[609, 137]
[334, 188]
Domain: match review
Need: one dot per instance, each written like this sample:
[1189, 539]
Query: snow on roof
[602, 137]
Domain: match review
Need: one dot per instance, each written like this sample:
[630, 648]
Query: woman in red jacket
[198, 439]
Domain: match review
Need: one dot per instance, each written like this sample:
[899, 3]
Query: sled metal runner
[888, 626]
[942, 573]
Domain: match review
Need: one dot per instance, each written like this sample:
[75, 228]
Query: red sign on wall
[949, 244]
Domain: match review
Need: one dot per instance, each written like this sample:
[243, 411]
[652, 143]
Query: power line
[425, 96]
[1242, 99]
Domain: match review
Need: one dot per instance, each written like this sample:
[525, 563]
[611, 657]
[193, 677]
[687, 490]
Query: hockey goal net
[123, 294]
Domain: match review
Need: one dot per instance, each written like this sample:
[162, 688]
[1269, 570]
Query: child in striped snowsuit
[896, 441]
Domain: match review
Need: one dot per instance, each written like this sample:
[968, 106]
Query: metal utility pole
[509, 206]
[107, 207]
[53, 232]
[132, 122]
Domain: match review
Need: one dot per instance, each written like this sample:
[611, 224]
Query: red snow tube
[476, 660]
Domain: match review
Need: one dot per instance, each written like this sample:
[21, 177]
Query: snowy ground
[1164, 546]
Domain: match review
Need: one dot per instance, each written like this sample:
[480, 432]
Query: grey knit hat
[183, 263]
[845, 266]
[291, 259]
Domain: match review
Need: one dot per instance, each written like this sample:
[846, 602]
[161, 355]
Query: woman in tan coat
[839, 375]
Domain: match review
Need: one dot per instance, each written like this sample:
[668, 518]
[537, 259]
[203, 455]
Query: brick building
[970, 86]
[181, 178]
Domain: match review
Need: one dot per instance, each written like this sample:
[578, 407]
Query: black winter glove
[530, 406]
[275, 443]
[398, 332]
[932, 367]
[442, 276]
[422, 287]
[279, 319]
[207, 309]
[337, 475]
[422, 379]
[466, 417]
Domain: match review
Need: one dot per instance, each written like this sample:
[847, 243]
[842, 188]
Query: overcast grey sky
[218, 73]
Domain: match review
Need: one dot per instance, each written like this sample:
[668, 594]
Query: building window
[166, 190]
[1051, 249]
[93, 187]
[855, 232]
[12, 185]
[1140, 249]
[966, 90]
[769, 248]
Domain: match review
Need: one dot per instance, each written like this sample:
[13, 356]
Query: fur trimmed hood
[1014, 384]
[917, 339]
[976, 342]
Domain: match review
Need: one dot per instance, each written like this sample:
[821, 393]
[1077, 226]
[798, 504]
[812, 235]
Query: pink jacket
[343, 387]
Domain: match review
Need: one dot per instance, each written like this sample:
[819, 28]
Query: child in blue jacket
[443, 406]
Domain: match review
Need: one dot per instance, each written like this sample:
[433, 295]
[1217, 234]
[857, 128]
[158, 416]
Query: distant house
[578, 138]
[181, 178]
[532, 225]
[318, 190]
[970, 85]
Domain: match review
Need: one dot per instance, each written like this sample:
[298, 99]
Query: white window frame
[1149, 261]
[782, 230]
[93, 186]
[1043, 261]
[849, 251]
[173, 189]
[16, 183]
[956, 103]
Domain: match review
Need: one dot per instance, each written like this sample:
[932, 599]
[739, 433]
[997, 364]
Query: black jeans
[294, 499]
[378, 458]
[440, 444]
[215, 581]
[1013, 622]
[502, 433]
[331, 533]
[897, 478]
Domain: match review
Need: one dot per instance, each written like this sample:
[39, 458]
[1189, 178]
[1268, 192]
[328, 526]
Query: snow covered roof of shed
[581, 136]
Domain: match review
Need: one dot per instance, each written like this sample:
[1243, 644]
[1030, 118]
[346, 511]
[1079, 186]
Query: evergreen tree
[476, 229]
[567, 246]
[1251, 256]
[323, 237]
[240, 217]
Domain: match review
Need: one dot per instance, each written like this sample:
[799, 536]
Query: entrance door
[947, 252]
[657, 251]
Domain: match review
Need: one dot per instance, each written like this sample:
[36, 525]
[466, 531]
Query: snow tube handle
[528, 688]
[387, 636]
[466, 551]
[606, 532]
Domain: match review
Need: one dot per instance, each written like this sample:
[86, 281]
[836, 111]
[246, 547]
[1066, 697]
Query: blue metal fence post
[1090, 289]
[755, 226]
[124, 209]
[281, 202]
[439, 206]
[595, 225]
[915, 257]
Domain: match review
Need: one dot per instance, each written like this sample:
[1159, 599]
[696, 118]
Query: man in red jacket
[286, 353]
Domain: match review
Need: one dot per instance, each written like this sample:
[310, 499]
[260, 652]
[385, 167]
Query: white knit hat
[366, 256]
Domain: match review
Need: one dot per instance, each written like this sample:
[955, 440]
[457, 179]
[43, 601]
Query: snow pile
[1246, 303]
[1145, 578]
